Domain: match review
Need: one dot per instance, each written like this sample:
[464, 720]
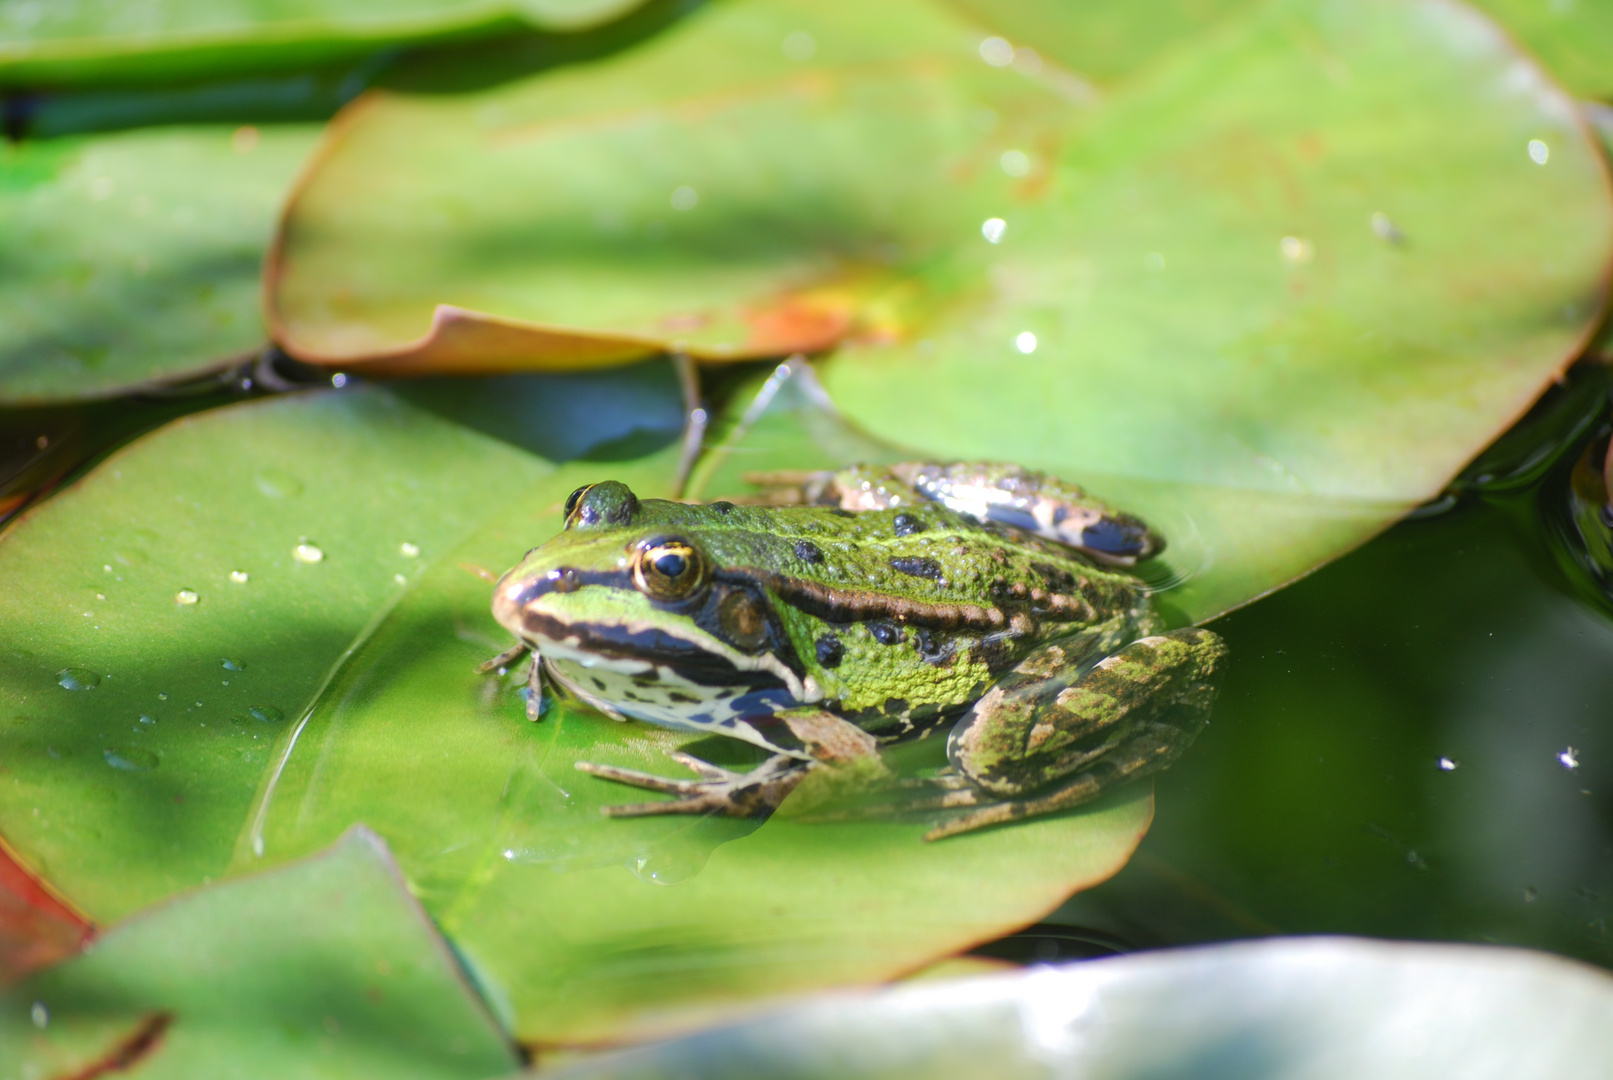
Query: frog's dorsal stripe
[841, 605]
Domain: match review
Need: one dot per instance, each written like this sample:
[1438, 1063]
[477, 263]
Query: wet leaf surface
[1323, 1007]
[1258, 316]
[133, 257]
[100, 41]
[193, 725]
[324, 967]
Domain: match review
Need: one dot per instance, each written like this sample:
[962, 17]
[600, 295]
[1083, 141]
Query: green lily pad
[1243, 296]
[135, 257]
[192, 725]
[324, 967]
[100, 41]
[1283, 1008]
[1574, 39]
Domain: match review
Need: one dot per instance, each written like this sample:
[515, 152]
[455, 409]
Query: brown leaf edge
[463, 341]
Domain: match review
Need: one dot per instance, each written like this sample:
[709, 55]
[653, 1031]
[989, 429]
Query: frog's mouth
[636, 650]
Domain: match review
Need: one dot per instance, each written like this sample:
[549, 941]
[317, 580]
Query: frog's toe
[719, 791]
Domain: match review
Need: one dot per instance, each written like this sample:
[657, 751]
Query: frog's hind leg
[1038, 742]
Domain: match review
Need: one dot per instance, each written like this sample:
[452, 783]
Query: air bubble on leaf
[77, 678]
[996, 52]
[1385, 228]
[268, 714]
[1539, 152]
[187, 597]
[1296, 249]
[306, 552]
[231, 664]
[277, 483]
[410, 550]
[800, 45]
[992, 229]
[400, 579]
[130, 758]
[240, 577]
[147, 718]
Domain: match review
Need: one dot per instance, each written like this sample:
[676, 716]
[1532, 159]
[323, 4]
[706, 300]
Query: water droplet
[1530, 895]
[410, 550]
[1025, 342]
[1154, 261]
[308, 553]
[130, 758]
[1015, 162]
[162, 697]
[77, 678]
[685, 198]
[240, 577]
[1296, 249]
[996, 52]
[1569, 758]
[147, 718]
[1385, 228]
[1448, 764]
[800, 45]
[992, 229]
[234, 665]
[338, 380]
[277, 483]
[400, 579]
[268, 714]
[1539, 152]
[39, 1015]
[187, 597]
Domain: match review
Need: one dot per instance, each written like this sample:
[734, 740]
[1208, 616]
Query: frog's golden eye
[668, 569]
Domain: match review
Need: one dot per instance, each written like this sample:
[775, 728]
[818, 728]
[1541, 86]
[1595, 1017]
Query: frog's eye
[571, 504]
[668, 569]
[604, 504]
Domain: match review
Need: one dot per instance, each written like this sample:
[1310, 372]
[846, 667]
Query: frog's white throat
[657, 693]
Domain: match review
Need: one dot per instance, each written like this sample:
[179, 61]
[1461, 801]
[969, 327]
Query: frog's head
[629, 607]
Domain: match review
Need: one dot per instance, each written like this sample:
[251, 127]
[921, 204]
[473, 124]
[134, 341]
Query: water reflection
[1391, 756]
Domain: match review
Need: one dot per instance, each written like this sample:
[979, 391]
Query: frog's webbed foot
[718, 791]
[534, 676]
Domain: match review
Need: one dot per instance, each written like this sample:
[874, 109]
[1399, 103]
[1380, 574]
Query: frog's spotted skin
[881, 607]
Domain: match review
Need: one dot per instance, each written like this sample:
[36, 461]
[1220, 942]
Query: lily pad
[1285, 1008]
[135, 257]
[1242, 295]
[324, 967]
[98, 41]
[194, 725]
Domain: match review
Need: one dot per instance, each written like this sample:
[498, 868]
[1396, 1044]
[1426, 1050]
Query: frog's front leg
[1043, 739]
[833, 754]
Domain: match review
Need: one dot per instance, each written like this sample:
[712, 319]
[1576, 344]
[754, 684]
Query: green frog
[844, 610]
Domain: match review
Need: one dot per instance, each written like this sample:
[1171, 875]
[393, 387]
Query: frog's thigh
[846, 759]
[1131, 714]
